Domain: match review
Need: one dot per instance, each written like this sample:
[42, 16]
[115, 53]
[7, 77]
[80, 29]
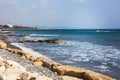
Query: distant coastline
[16, 27]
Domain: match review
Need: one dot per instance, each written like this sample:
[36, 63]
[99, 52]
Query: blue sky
[61, 13]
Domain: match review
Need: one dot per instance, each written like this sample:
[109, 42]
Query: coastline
[57, 67]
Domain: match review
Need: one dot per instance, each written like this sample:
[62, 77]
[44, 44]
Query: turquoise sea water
[94, 49]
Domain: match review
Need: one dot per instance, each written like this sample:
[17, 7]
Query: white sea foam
[104, 31]
[43, 35]
[22, 46]
[35, 38]
[102, 68]
[88, 52]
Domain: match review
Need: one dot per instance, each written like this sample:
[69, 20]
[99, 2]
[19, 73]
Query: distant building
[10, 25]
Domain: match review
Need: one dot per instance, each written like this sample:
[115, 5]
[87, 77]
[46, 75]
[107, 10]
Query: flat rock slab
[69, 78]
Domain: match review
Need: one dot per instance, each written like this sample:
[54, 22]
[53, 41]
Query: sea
[93, 49]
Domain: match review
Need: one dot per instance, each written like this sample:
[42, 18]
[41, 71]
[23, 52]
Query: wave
[29, 50]
[38, 35]
[93, 53]
[35, 38]
[104, 31]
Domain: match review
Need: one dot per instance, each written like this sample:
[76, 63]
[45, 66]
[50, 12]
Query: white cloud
[34, 6]
[8, 2]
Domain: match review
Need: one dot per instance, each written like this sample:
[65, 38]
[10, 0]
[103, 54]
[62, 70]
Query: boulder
[80, 73]
[3, 45]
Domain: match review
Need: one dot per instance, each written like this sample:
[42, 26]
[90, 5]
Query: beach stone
[38, 63]
[80, 73]
[3, 45]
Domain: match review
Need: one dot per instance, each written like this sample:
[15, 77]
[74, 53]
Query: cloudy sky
[61, 13]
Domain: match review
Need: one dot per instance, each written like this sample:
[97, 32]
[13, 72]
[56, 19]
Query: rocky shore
[33, 66]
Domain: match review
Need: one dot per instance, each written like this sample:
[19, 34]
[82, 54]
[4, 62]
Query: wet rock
[58, 41]
[55, 41]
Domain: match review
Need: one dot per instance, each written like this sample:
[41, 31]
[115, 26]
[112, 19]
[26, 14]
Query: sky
[75, 14]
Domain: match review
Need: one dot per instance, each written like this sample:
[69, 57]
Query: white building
[10, 25]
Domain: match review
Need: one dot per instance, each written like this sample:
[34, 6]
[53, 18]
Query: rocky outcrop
[60, 69]
[80, 73]
[3, 45]
[11, 70]
[55, 41]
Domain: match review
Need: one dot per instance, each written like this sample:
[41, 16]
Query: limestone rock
[50, 64]
[80, 73]
[3, 45]
[69, 78]
[33, 58]
[37, 63]
[26, 55]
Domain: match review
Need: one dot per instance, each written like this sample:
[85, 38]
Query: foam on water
[99, 56]
[35, 38]
[38, 35]
[22, 46]
[104, 31]
[99, 52]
